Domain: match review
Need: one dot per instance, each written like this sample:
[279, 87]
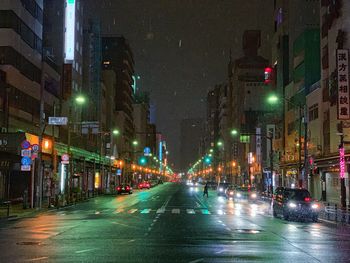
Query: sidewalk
[17, 211]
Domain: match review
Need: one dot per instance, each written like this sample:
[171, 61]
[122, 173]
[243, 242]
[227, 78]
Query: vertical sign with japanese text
[343, 84]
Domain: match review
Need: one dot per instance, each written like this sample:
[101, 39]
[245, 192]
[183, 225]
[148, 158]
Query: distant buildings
[50, 54]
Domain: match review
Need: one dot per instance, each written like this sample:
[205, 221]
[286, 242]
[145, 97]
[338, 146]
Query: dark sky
[181, 49]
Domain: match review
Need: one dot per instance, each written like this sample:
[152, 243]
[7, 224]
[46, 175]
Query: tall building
[28, 77]
[335, 23]
[248, 110]
[191, 131]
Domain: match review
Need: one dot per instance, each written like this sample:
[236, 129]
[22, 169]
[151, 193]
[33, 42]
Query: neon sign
[69, 36]
[342, 162]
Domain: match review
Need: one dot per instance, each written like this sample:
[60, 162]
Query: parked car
[144, 184]
[297, 203]
[124, 189]
[246, 193]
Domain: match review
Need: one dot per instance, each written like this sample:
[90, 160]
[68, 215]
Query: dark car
[290, 202]
[246, 193]
[230, 192]
[124, 189]
[221, 189]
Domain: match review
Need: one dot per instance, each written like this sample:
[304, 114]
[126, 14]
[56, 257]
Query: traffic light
[207, 160]
[142, 160]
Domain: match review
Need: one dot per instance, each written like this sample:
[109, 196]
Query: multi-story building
[117, 57]
[28, 77]
[248, 107]
[335, 22]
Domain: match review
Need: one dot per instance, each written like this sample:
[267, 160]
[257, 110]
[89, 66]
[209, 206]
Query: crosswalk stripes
[119, 210]
[175, 211]
[205, 212]
[161, 210]
[190, 211]
[131, 211]
[145, 211]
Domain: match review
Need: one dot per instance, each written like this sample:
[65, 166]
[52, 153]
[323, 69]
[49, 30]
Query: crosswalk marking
[205, 212]
[119, 210]
[161, 211]
[190, 211]
[131, 211]
[175, 211]
[145, 211]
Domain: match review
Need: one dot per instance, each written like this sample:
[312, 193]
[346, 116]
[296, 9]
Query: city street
[169, 223]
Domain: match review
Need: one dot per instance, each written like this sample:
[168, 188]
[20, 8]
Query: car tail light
[307, 199]
[118, 188]
[127, 188]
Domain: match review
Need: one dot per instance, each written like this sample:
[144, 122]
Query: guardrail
[332, 212]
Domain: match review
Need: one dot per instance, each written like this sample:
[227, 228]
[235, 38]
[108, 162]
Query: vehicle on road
[294, 203]
[221, 189]
[124, 189]
[230, 192]
[245, 193]
[144, 184]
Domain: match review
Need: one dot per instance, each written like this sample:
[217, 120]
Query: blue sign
[26, 161]
[119, 171]
[25, 144]
[147, 151]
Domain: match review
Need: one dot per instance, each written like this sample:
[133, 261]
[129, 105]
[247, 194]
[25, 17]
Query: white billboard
[69, 35]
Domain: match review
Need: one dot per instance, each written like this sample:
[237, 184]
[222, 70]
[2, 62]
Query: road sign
[35, 148]
[25, 144]
[147, 151]
[65, 159]
[119, 171]
[25, 168]
[58, 120]
[26, 161]
[26, 153]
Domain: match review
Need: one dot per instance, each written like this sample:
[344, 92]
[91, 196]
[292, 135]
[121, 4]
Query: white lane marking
[150, 228]
[131, 240]
[197, 260]
[131, 211]
[175, 211]
[152, 224]
[190, 211]
[36, 259]
[221, 251]
[145, 211]
[198, 204]
[205, 212]
[161, 211]
[228, 229]
[85, 250]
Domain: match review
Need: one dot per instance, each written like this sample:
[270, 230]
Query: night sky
[181, 49]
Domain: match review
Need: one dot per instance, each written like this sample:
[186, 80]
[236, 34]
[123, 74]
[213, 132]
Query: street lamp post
[273, 99]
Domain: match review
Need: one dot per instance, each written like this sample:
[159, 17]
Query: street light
[234, 132]
[80, 99]
[116, 132]
[135, 143]
[273, 99]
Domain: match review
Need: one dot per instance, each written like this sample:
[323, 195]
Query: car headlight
[196, 184]
[253, 195]
[238, 195]
[315, 206]
[231, 193]
[221, 189]
[191, 188]
[292, 205]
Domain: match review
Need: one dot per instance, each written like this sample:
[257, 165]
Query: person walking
[205, 191]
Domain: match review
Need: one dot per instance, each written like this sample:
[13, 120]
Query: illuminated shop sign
[343, 84]
[69, 36]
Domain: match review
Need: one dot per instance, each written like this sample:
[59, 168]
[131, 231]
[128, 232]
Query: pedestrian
[205, 192]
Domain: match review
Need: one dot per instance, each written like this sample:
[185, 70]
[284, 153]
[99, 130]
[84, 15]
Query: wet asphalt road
[169, 223]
